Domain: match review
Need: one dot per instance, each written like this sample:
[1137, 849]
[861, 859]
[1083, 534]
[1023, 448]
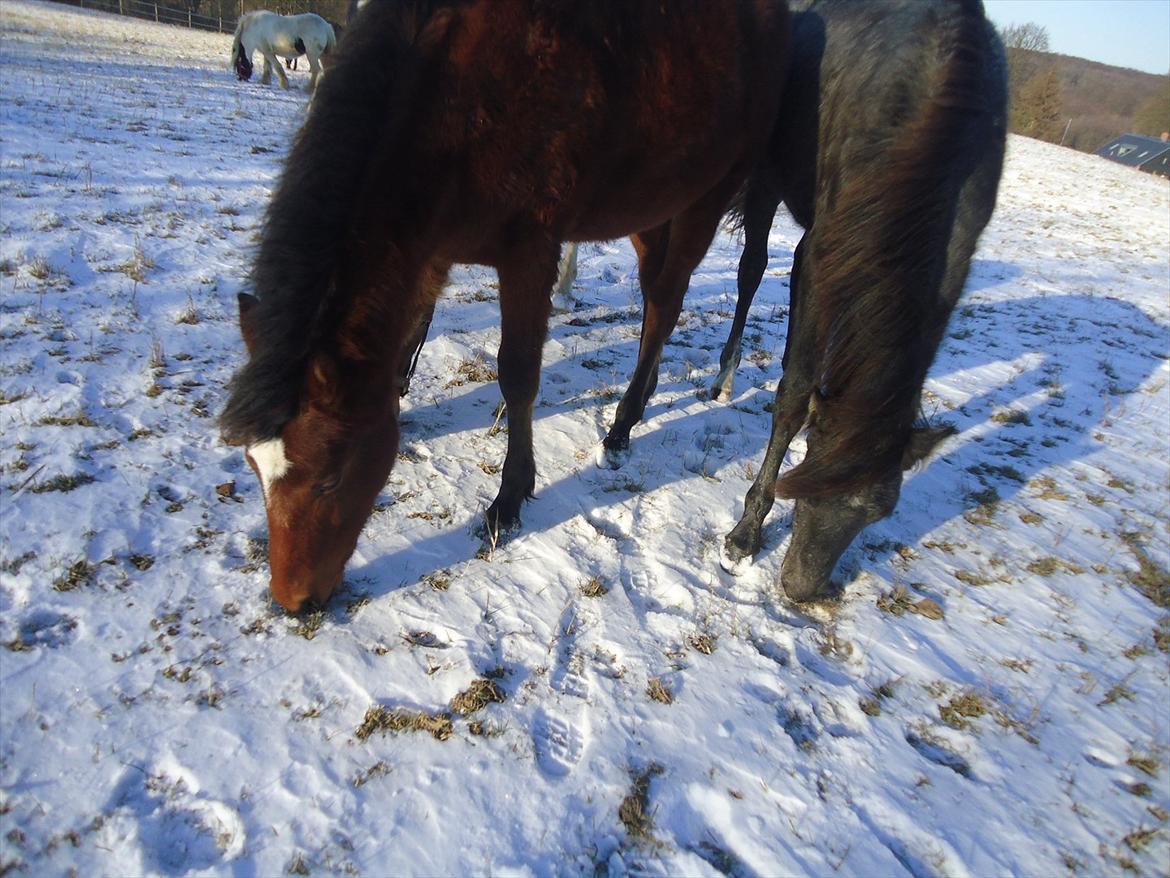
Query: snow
[988, 695]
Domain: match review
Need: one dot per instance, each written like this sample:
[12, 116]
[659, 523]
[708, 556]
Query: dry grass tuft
[632, 811]
[477, 371]
[1151, 579]
[594, 588]
[79, 573]
[899, 602]
[702, 642]
[961, 708]
[477, 696]
[657, 690]
[379, 719]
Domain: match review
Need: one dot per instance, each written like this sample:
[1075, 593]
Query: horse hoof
[614, 453]
[733, 562]
[494, 531]
[719, 393]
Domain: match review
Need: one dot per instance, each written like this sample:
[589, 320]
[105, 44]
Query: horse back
[598, 119]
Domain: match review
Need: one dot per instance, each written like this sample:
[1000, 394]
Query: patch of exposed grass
[13, 567]
[308, 624]
[378, 769]
[439, 580]
[899, 602]
[702, 642]
[1151, 578]
[81, 419]
[1047, 489]
[476, 371]
[963, 707]
[1119, 691]
[79, 573]
[1138, 840]
[1048, 566]
[594, 588]
[477, 696]
[986, 506]
[379, 719]
[632, 812]
[63, 483]
[657, 691]
[1162, 634]
[1144, 763]
[1012, 416]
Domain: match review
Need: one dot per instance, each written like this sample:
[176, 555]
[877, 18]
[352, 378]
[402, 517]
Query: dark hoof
[495, 530]
[743, 542]
[615, 452]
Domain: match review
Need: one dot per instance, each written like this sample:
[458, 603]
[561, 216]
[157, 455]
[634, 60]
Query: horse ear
[922, 442]
[248, 305]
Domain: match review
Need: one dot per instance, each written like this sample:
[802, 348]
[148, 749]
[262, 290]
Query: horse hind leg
[314, 72]
[759, 210]
[271, 62]
[525, 281]
[667, 257]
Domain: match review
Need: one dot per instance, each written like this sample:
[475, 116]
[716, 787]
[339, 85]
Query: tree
[1029, 35]
[1037, 111]
[1153, 117]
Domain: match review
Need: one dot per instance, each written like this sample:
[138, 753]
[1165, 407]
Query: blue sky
[1128, 33]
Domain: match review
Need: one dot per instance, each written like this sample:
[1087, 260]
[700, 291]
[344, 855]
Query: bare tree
[1029, 35]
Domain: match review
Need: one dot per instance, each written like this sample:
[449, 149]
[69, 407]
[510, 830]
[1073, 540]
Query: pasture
[987, 695]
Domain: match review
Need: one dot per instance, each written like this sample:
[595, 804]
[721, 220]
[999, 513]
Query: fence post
[156, 13]
[188, 18]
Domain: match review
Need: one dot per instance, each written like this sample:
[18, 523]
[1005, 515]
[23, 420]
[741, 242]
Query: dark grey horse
[888, 152]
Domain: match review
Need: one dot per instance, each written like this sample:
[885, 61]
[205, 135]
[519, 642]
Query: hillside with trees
[1084, 102]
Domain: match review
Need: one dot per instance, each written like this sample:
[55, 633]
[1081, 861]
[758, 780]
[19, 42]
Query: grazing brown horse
[888, 152]
[479, 131]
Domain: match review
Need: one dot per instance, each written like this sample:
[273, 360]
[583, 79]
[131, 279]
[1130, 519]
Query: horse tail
[879, 261]
[356, 118]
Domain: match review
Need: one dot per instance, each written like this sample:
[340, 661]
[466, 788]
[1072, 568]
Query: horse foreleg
[667, 256]
[789, 412]
[525, 281]
[759, 209]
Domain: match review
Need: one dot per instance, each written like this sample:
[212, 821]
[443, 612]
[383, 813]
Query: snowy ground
[988, 696]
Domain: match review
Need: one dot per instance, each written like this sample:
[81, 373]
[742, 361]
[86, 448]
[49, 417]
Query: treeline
[1081, 103]
[333, 10]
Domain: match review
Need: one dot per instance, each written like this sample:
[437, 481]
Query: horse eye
[324, 488]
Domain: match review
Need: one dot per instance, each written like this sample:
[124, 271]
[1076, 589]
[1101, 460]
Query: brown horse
[479, 131]
[888, 152]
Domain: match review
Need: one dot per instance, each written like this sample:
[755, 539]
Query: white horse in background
[281, 36]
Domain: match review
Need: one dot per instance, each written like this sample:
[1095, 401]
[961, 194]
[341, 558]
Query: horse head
[321, 473]
[243, 65]
[823, 526]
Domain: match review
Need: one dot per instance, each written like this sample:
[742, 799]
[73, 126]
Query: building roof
[1133, 149]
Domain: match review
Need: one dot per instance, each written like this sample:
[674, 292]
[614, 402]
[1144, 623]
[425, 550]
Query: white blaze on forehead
[270, 461]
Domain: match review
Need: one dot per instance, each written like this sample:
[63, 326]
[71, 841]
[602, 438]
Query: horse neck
[382, 315]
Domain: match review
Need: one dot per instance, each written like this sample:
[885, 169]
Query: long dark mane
[880, 262]
[359, 110]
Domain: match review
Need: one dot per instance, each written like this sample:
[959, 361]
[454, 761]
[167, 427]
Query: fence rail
[160, 12]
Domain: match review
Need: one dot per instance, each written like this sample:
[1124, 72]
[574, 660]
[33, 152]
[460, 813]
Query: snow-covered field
[989, 695]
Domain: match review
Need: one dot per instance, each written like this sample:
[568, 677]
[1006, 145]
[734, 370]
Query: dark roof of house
[1133, 149]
